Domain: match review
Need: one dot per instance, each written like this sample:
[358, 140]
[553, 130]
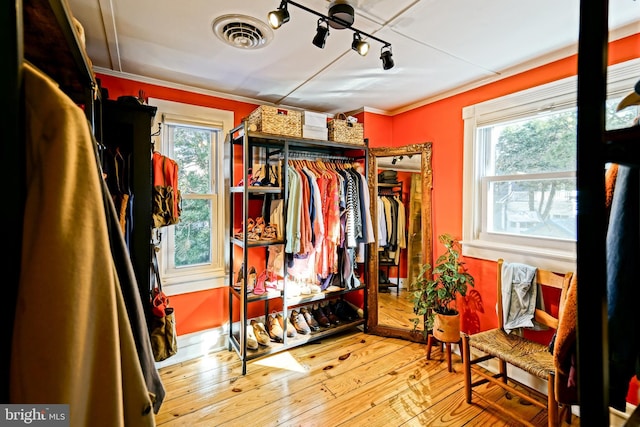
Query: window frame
[545, 253]
[202, 277]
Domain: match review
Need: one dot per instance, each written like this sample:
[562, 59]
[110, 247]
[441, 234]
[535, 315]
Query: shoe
[252, 341]
[261, 333]
[259, 288]
[333, 318]
[304, 289]
[314, 289]
[291, 331]
[239, 279]
[310, 320]
[320, 317]
[275, 330]
[298, 322]
[251, 279]
[270, 232]
[258, 228]
[293, 290]
[344, 311]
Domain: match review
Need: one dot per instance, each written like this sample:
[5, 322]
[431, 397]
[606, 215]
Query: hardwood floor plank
[261, 377]
[301, 377]
[410, 378]
[351, 380]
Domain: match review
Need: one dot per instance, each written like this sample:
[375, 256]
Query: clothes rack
[316, 155]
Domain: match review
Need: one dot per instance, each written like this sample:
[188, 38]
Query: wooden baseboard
[194, 345]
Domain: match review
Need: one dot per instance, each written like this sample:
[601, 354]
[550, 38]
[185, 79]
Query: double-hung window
[192, 252]
[519, 195]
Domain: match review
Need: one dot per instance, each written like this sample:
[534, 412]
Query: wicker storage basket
[277, 121]
[344, 131]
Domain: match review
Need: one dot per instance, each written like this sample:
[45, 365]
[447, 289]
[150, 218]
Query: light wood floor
[395, 309]
[352, 379]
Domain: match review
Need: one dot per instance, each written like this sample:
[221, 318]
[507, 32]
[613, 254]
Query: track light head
[386, 57]
[321, 34]
[359, 45]
[279, 16]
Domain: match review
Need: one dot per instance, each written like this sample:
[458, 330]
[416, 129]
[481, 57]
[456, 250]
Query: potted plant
[434, 293]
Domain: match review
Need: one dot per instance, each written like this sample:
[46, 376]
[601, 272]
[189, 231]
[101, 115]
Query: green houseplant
[434, 293]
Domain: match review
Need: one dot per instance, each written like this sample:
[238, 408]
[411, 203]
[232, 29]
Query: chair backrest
[545, 278]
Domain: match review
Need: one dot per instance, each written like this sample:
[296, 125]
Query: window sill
[553, 260]
[197, 285]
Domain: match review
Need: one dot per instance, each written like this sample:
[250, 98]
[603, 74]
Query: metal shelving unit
[240, 144]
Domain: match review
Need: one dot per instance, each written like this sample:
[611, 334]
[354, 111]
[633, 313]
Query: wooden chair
[515, 350]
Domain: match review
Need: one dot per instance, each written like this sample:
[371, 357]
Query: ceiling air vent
[241, 31]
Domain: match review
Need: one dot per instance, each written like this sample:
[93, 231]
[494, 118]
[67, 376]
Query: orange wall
[195, 311]
[123, 87]
[439, 123]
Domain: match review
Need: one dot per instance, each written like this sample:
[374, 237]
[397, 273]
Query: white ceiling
[440, 47]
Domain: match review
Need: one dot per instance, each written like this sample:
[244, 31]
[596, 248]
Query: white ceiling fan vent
[243, 32]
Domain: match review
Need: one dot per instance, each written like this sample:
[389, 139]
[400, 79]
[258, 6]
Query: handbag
[166, 201]
[162, 332]
[161, 319]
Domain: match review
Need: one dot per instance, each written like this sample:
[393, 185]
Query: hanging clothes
[72, 339]
[401, 227]
[392, 226]
[327, 218]
[623, 292]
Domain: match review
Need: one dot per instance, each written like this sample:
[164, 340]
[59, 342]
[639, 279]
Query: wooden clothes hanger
[631, 99]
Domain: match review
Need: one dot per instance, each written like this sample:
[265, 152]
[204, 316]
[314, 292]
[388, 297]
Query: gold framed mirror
[407, 186]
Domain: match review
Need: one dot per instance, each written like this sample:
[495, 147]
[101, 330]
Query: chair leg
[568, 415]
[552, 404]
[503, 371]
[466, 366]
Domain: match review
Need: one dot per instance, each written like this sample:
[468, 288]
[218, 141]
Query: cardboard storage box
[278, 121]
[315, 132]
[314, 119]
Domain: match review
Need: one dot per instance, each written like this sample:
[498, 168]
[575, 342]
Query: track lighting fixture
[386, 57]
[279, 16]
[321, 34]
[341, 16]
[359, 45]
[396, 159]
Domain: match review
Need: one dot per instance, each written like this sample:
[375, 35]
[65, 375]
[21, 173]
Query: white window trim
[555, 95]
[188, 114]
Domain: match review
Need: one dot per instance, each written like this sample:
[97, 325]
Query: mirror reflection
[400, 180]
